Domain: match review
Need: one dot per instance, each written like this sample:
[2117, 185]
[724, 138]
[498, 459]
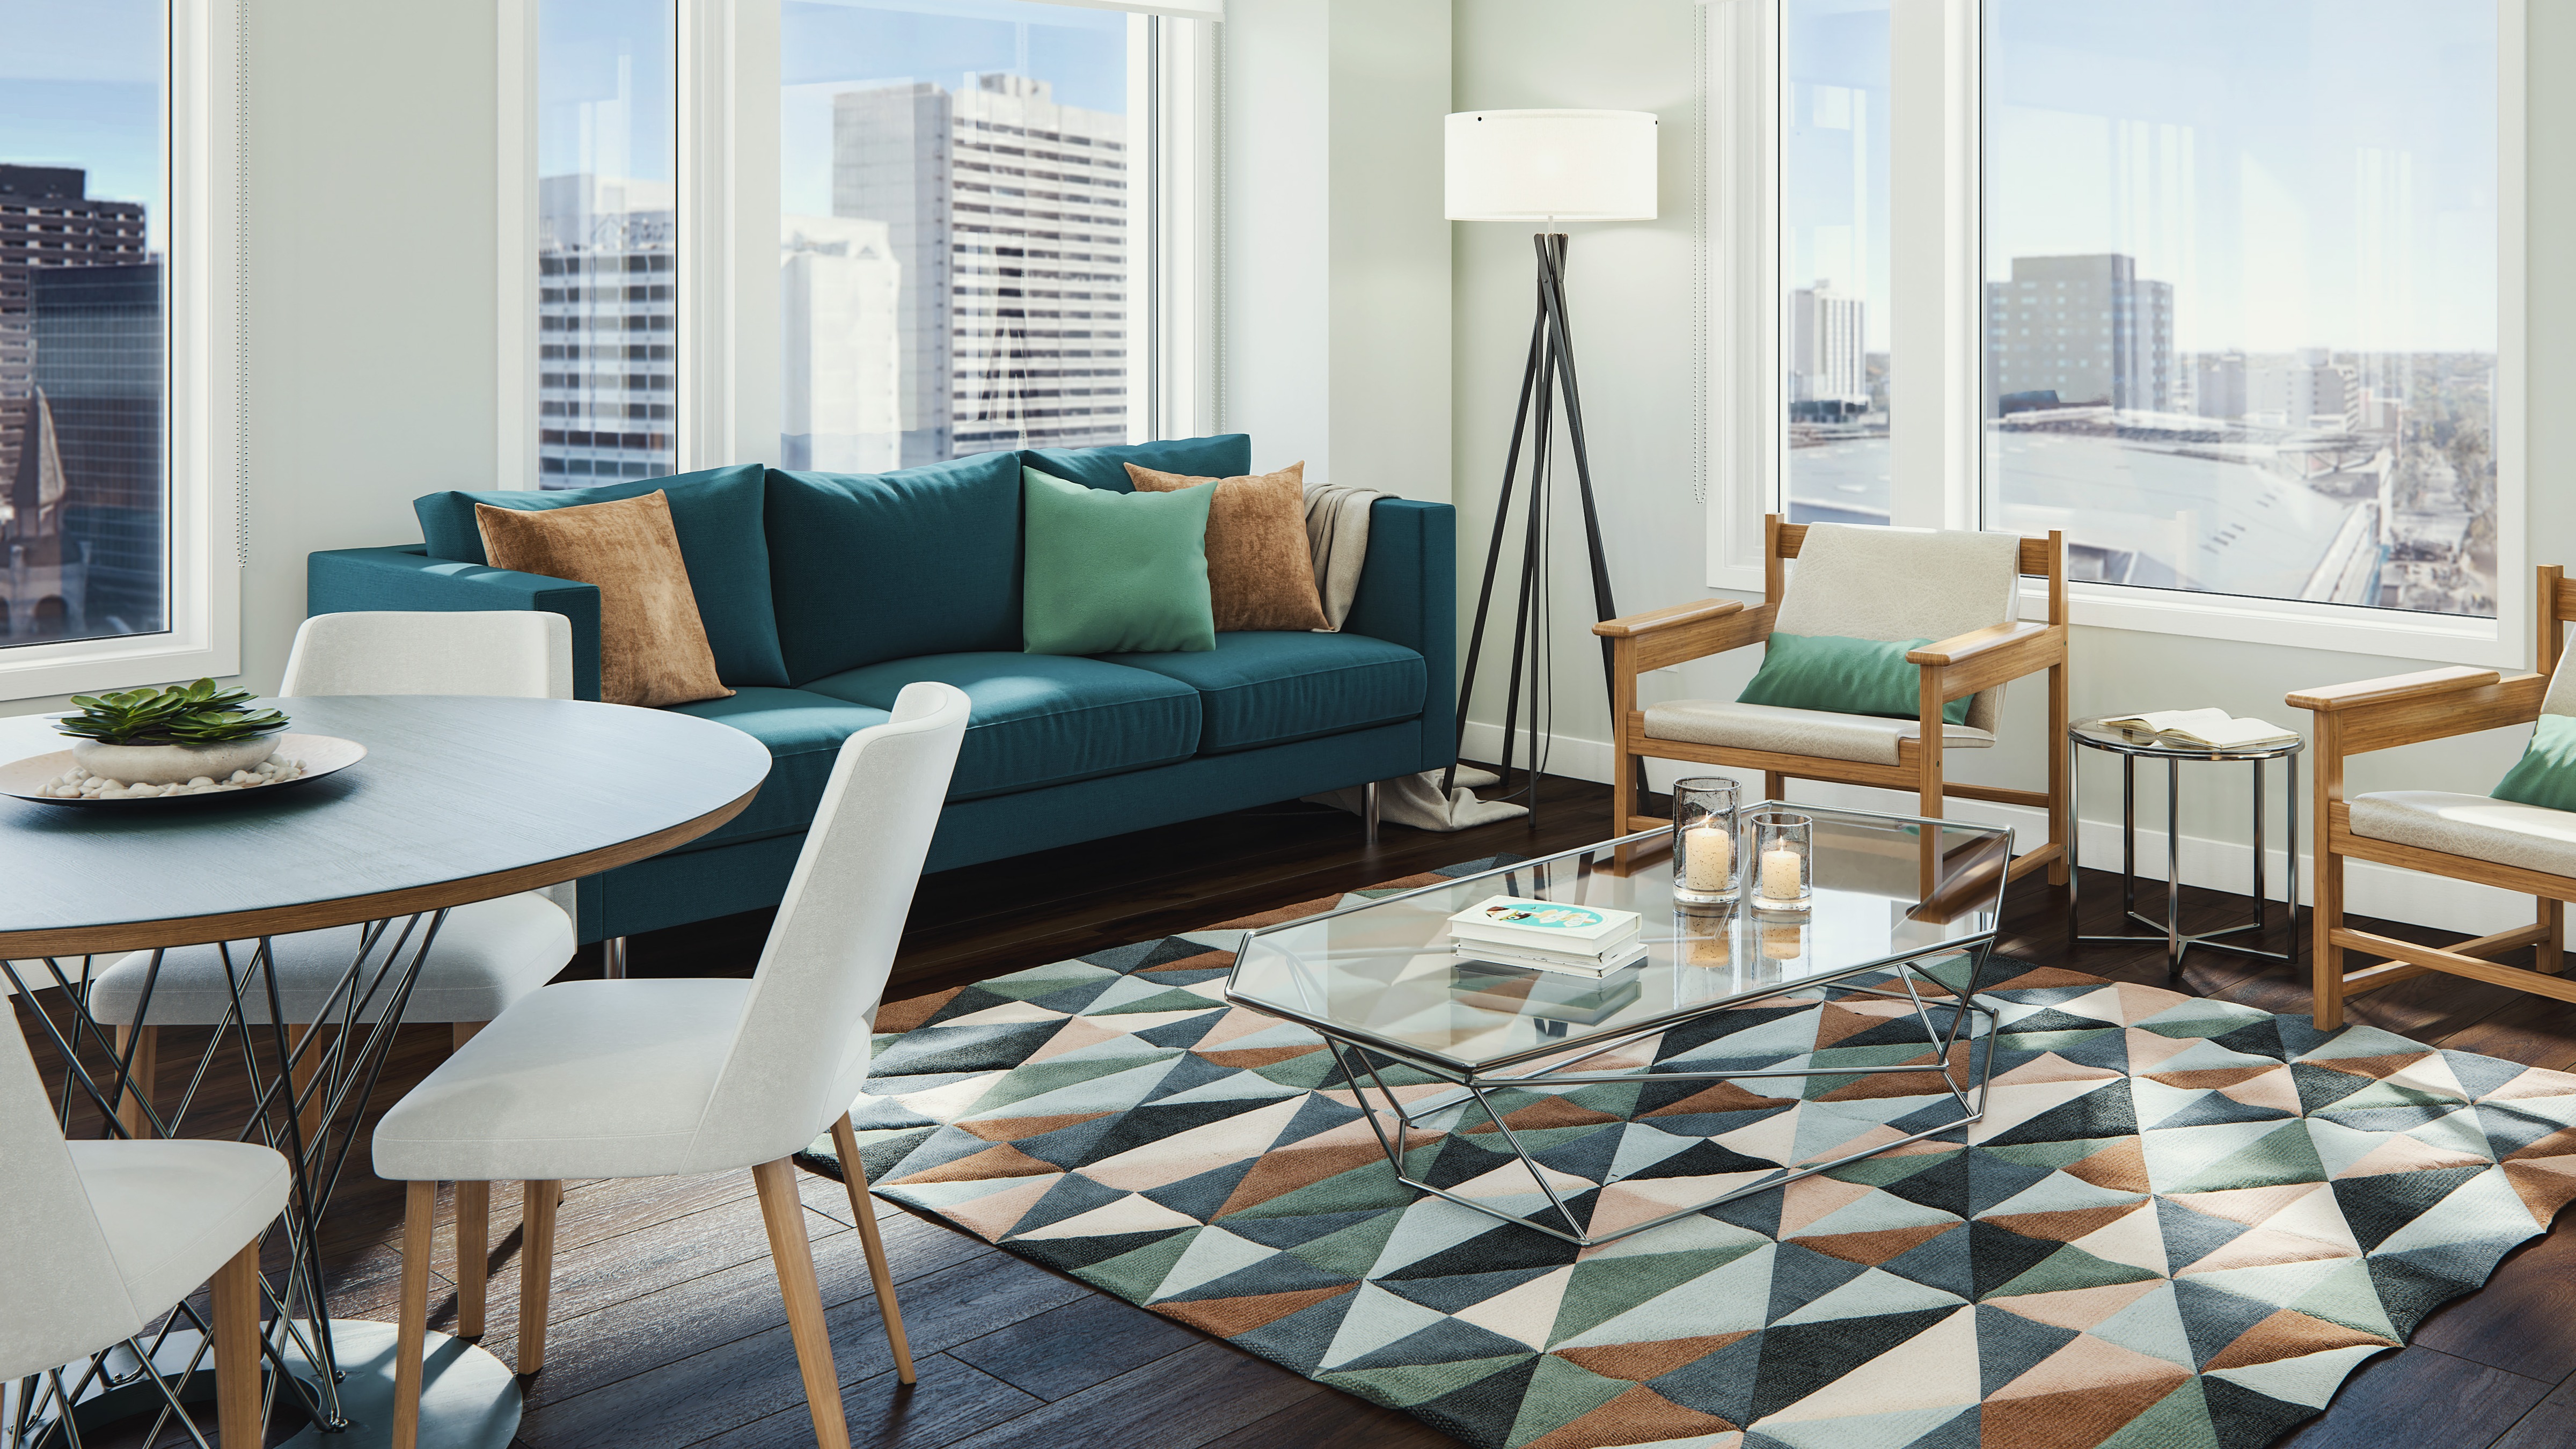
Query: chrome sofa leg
[1368, 810]
[612, 958]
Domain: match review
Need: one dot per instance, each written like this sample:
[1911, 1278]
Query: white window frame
[1935, 317]
[726, 156]
[205, 433]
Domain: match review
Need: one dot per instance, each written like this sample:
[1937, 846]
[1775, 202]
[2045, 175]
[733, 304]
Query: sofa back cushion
[871, 567]
[717, 515]
[1228, 455]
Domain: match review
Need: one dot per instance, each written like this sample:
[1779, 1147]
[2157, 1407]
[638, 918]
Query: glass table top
[1383, 973]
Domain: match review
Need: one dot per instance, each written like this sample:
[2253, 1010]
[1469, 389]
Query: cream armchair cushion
[2475, 826]
[1867, 738]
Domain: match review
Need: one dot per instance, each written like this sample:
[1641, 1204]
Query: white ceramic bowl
[171, 764]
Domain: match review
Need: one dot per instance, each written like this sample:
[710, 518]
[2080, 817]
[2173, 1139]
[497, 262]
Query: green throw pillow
[2546, 773]
[1114, 573]
[1845, 676]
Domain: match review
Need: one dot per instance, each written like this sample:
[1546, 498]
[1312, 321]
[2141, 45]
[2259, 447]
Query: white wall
[1336, 271]
[1631, 294]
[371, 280]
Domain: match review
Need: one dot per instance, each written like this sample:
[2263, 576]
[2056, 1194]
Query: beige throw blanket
[1337, 521]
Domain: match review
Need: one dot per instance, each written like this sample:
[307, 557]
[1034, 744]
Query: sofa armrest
[1408, 595]
[350, 580]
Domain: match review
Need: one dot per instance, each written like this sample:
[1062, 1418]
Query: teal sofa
[824, 595]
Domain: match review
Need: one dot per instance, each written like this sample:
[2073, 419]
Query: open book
[2207, 729]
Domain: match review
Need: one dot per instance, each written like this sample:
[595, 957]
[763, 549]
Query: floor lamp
[1546, 167]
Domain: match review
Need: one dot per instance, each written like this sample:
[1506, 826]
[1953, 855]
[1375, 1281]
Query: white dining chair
[486, 955]
[657, 1078]
[99, 1240]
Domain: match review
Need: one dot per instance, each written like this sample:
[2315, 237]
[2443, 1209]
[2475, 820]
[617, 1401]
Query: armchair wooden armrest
[2389, 689]
[1683, 632]
[1983, 658]
[2407, 709]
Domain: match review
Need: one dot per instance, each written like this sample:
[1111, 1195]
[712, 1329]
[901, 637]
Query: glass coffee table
[1720, 1065]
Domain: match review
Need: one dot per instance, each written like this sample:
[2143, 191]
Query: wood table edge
[351, 910]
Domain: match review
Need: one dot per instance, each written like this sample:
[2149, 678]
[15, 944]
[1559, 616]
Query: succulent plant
[183, 714]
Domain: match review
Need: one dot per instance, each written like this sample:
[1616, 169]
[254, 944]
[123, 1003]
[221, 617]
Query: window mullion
[1935, 390]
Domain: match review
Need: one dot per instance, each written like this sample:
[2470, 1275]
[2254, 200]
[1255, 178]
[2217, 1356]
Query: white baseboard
[2369, 889]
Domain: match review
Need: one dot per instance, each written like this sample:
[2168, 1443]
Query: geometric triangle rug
[2180, 1224]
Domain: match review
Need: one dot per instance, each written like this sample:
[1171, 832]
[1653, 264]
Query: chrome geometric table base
[315, 1085]
[2178, 942]
[1469, 1092]
[469, 1400]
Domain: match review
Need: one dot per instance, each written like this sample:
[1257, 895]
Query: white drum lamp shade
[1551, 165]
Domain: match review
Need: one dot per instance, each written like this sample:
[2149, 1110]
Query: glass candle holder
[1783, 941]
[1783, 861]
[1704, 841]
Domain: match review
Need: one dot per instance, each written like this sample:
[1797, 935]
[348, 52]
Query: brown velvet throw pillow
[652, 645]
[1261, 574]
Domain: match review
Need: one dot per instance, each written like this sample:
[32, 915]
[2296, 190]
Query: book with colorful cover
[1547, 926]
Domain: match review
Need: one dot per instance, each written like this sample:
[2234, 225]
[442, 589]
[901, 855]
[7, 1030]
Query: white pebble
[201, 782]
[106, 785]
[242, 777]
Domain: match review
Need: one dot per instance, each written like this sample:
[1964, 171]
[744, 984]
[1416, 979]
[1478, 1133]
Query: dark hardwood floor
[667, 1331]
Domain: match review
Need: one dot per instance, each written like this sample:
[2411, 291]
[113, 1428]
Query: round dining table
[458, 800]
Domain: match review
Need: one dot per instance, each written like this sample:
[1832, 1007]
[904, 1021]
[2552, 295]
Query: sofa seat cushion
[803, 732]
[1041, 719]
[1262, 687]
[1863, 738]
[2500, 832]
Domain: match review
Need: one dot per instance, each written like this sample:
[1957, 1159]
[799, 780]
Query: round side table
[2093, 734]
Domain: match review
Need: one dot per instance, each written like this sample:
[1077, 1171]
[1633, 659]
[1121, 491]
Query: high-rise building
[607, 329]
[840, 291]
[2086, 328]
[1828, 347]
[1007, 213]
[98, 386]
[2218, 385]
[2311, 390]
[48, 220]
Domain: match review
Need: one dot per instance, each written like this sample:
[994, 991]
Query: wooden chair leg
[783, 1213]
[2325, 918]
[411, 1329]
[845, 1144]
[2551, 953]
[473, 1255]
[236, 1326]
[536, 1269]
[1775, 786]
[2061, 819]
[132, 1093]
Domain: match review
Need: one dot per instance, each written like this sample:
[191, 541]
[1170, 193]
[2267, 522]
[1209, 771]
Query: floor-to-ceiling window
[608, 371]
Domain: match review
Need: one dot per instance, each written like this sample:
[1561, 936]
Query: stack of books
[1576, 940]
[2203, 729]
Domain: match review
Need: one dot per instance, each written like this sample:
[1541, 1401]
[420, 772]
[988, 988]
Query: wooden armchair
[2522, 848]
[1959, 589]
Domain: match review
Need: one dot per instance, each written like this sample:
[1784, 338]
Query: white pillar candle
[1708, 854]
[1780, 875]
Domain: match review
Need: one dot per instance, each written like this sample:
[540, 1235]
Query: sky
[80, 85]
[2304, 172]
[604, 73]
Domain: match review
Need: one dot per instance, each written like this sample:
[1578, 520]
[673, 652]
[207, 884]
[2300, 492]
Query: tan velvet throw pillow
[652, 645]
[1261, 573]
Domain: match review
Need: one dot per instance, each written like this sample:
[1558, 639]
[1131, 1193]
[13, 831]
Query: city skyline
[2325, 178]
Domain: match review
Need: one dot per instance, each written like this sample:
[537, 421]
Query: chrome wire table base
[2088, 734]
[1555, 1192]
[469, 1400]
[309, 1089]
